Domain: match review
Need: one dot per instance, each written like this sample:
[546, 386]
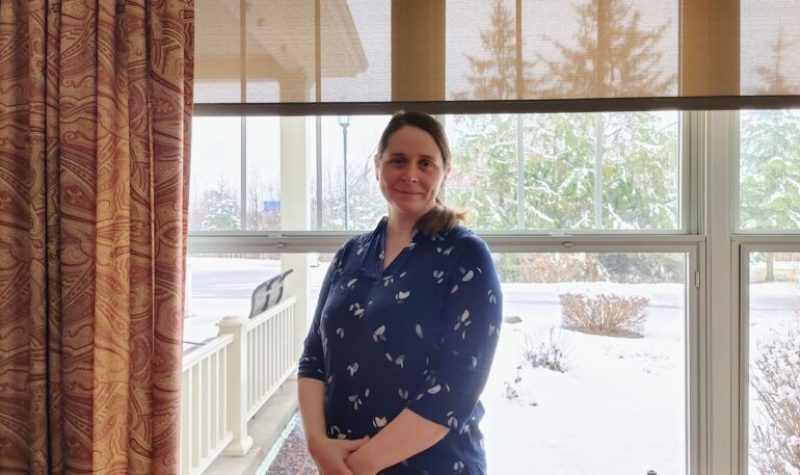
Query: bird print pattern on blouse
[420, 334]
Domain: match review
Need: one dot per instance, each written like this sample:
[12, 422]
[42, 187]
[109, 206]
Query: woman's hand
[330, 454]
[358, 462]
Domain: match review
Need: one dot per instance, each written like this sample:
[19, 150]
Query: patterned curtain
[95, 106]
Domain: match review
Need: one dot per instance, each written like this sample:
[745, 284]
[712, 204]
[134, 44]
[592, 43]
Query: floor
[292, 457]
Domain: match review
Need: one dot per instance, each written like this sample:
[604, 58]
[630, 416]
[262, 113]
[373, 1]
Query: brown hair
[440, 218]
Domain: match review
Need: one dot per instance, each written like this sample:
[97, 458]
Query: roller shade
[464, 51]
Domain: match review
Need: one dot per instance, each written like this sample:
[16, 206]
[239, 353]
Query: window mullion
[243, 175]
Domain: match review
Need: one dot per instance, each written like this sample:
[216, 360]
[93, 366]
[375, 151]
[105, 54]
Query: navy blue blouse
[420, 334]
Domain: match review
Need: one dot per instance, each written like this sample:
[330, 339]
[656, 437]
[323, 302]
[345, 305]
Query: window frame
[688, 195]
[716, 440]
[747, 245]
[687, 240]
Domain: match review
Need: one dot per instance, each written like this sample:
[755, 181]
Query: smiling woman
[406, 327]
[412, 165]
[411, 171]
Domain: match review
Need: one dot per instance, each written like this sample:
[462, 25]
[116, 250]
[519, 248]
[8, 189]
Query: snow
[620, 407]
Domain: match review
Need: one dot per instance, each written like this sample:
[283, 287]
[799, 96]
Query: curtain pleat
[95, 107]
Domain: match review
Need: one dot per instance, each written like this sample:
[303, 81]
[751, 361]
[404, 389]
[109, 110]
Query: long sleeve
[312, 361]
[472, 314]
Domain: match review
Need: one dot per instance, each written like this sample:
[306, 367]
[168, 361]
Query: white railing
[271, 353]
[229, 379]
[204, 397]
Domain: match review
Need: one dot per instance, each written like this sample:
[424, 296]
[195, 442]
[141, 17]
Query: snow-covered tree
[221, 208]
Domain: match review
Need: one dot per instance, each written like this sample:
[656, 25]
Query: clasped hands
[340, 456]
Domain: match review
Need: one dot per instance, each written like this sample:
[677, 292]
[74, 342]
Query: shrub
[511, 389]
[776, 381]
[539, 350]
[546, 351]
[604, 314]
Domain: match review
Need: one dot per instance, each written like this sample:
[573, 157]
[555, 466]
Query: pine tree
[613, 57]
[495, 77]
[770, 184]
[222, 208]
[772, 77]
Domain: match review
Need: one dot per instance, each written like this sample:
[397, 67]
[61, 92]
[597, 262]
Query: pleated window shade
[381, 51]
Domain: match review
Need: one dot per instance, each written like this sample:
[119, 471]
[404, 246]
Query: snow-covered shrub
[547, 351]
[776, 381]
[604, 314]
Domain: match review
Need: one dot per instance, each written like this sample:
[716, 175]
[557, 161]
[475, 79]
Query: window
[769, 171]
[592, 361]
[687, 201]
[222, 284]
[216, 182]
[772, 306]
[568, 172]
[541, 173]
[531, 183]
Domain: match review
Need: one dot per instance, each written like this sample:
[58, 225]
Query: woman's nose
[410, 176]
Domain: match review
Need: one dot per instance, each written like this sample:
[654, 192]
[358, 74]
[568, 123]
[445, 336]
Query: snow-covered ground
[620, 408]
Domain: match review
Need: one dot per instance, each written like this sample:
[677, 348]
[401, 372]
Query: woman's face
[410, 172]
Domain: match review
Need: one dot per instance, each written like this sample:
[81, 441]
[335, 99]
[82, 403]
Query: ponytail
[440, 219]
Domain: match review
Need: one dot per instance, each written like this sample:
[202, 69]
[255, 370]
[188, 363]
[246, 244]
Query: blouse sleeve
[472, 315]
[312, 362]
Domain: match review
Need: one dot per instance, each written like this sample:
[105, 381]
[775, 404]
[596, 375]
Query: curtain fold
[95, 107]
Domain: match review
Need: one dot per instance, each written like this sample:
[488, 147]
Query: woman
[405, 329]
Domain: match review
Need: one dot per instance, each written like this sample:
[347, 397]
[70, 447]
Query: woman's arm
[407, 435]
[329, 454]
[310, 394]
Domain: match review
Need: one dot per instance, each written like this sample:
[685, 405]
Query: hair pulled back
[440, 219]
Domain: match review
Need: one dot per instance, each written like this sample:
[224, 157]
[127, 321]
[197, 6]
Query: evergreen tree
[486, 145]
[772, 77]
[485, 181]
[638, 173]
[770, 169]
[613, 56]
[222, 208]
[496, 77]
[769, 158]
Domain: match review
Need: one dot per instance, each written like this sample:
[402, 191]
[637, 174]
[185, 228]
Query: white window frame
[709, 236]
[746, 246]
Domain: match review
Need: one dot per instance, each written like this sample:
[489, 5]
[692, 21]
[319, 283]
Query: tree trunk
[770, 275]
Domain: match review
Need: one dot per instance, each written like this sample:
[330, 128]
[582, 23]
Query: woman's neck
[398, 234]
[399, 229]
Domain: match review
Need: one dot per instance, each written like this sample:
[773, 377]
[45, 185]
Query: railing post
[297, 284]
[237, 385]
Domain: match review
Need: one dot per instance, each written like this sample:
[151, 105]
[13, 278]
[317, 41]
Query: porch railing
[271, 353]
[229, 379]
[204, 395]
